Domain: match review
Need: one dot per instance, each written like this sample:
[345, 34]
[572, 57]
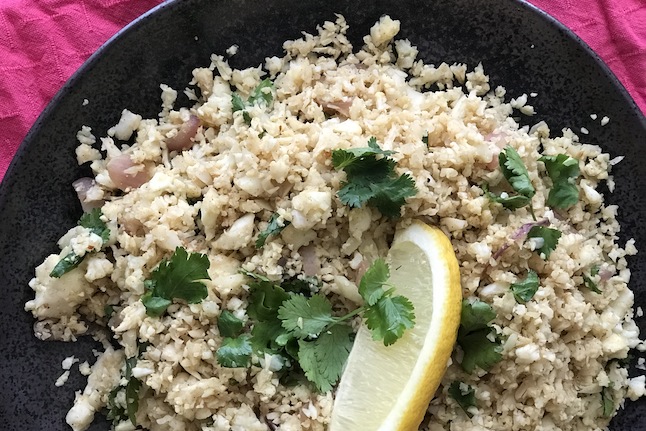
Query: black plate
[520, 47]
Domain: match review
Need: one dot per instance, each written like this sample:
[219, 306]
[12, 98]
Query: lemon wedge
[389, 388]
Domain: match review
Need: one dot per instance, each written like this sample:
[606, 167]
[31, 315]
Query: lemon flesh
[389, 388]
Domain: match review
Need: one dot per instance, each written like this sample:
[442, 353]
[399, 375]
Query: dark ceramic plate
[521, 48]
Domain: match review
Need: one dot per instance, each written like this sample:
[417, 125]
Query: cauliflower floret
[310, 208]
[58, 297]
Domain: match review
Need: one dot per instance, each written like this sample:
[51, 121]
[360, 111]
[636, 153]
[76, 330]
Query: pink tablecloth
[42, 42]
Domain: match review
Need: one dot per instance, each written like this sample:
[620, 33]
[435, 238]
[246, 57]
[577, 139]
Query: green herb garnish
[371, 179]
[464, 395]
[563, 170]
[176, 278]
[92, 221]
[549, 236]
[525, 290]
[475, 336]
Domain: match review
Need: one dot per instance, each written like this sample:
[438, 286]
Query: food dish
[631, 131]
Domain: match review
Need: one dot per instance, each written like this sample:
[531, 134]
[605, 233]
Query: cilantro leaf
[515, 172]
[607, 402]
[372, 282]
[549, 236]
[264, 300]
[237, 104]
[464, 395]
[273, 228]
[118, 412]
[262, 93]
[235, 352]
[132, 399]
[480, 351]
[524, 290]
[66, 264]
[305, 317]
[341, 159]
[475, 315]
[155, 305]
[372, 180]
[229, 325]
[563, 171]
[259, 95]
[93, 222]
[389, 318]
[589, 283]
[474, 334]
[176, 278]
[510, 202]
[323, 359]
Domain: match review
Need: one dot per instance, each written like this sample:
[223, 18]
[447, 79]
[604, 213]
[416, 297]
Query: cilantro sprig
[262, 94]
[179, 277]
[92, 221]
[563, 170]
[525, 290]
[371, 179]
[481, 345]
[292, 321]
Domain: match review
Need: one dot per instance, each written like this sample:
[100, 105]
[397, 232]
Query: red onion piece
[605, 275]
[82, 186]
[125, 174]
[184, 138]
[341, 107]
[311, 264]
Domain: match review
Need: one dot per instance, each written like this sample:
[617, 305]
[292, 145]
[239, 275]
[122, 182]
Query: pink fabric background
[42, 42]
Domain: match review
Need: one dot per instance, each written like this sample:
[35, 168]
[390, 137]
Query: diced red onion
[82, 186]
[183, 140]
[125, 174]
[341, 107]
[311, 264]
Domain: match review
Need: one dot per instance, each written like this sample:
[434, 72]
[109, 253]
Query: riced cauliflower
[248, 185]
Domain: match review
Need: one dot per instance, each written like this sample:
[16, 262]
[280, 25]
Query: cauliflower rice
[561, 349]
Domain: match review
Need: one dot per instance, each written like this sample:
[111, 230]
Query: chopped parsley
[176, 278]
[274, 227]
[262, 94]
[371, 179]
[480, 343]
[563, 170]
[292, 321]
[464, 395]
[92, 221]
[525, 290]
[549, 238]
